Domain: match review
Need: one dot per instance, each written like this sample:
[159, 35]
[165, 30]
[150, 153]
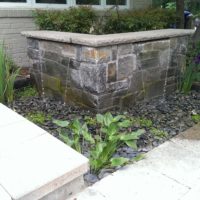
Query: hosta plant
[112, 132]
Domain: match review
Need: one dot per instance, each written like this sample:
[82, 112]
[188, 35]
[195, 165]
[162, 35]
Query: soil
[171, 115]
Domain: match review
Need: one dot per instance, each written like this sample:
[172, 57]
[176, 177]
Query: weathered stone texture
[126, 66]
[105, 77]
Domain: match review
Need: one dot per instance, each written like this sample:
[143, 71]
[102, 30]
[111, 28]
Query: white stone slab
[8, 117]
[18, 132]
[39, 166]
[193, 194]
[134, 183]
[4, 195]
[189, 139]
[109, 39]
[174, 161]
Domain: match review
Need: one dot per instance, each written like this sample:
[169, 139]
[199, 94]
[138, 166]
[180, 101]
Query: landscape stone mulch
[172, 114]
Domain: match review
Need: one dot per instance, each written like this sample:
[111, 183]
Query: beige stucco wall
[12, 23]
[138, 4]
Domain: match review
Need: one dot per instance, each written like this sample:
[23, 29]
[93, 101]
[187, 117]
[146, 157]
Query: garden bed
[161, 118]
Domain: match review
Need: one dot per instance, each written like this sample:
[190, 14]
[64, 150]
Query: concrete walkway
[169, 172]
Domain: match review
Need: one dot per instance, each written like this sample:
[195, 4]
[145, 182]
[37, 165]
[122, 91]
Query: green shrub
[75, 19]
[84, 20]
[7, 77]
[141, 20]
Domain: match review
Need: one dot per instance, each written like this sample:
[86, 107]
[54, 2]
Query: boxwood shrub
[85, 19]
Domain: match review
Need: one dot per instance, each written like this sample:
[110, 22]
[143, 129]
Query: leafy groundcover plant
[112, 132]
[7, 77]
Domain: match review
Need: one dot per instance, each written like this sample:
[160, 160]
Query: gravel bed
[172, 115]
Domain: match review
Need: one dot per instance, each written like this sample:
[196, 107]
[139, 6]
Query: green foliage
[38, 117]
[158, 134]
[26, 92]
[7, 77]
[78, 131]
[112, 132]
[191, 73]
[142, 122]
[141, 20]
[196, 118]
[85, 20]
[75, 19]
[171, 5]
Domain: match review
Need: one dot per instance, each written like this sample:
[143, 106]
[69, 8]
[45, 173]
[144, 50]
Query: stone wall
[12, 23]
[102, 72]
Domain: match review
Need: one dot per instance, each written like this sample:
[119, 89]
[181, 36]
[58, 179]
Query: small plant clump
[196, 118]
[26, 92]
[111, 133]
[38, 117]
[7, 77]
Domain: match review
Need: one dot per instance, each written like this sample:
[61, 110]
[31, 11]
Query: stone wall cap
[109, 39]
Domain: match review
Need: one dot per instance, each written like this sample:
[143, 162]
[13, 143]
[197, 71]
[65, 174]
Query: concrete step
[35, 165]
[168, 172]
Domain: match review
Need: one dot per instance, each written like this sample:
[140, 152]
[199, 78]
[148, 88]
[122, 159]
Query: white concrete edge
[109, 39]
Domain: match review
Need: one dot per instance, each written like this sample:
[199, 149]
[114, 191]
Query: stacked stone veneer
[101, 72]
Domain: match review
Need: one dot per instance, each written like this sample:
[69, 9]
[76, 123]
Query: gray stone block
[155, 89]
[55, 69]
[34, 54]
[136, 83]
[114, 53]
[96, 55]
[112, 72]
[146, 55]
[151, 75]
[32, 43]
[119, 85]
[75, 78]
[126, 66]
[164, 58]
[161, 45]
[124, 49]
[94, 77]
[137, 48]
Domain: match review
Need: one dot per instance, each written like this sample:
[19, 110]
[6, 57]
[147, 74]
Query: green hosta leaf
[118, 118]
[132, 136]
[66, 139]
[61, 123]
[132, 144]
[125, 124]
[95, 153]
[100, 118]
[87, 136]
[112, 129]
[138, 157]
[108, 119]
[115, 162]
[76, 124]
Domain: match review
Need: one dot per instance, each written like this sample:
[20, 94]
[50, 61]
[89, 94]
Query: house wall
[139, 4]
[12, 23]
